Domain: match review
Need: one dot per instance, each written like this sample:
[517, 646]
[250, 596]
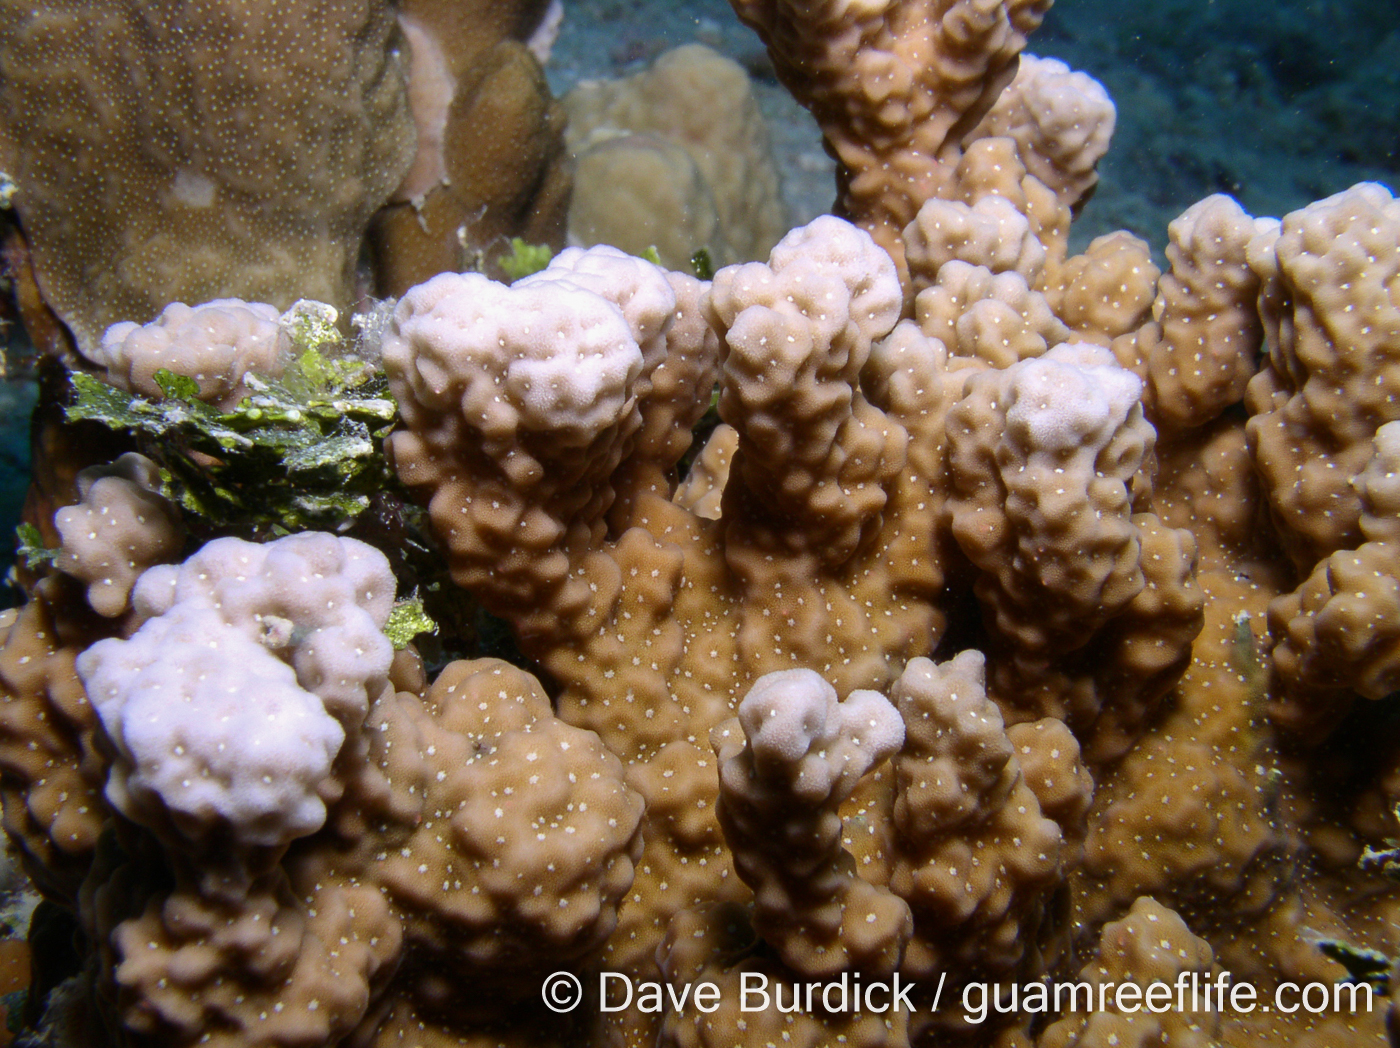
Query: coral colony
[1014, 663]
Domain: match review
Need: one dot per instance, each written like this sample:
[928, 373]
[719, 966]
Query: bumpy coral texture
[157, 700]
[1084, 749]
[1322, 435]
[1153, 737]
[824, 288]
[977, 857]
[1201, 347]
[1149, 945]
[990, 233]
[300, 844]
[542, 376]
[1084, 594]
[654, 616]
[1061, 120]
[893, 90]
[655, 619]
[1379, 487]
[550, 889]
[247, 164]
[216, 344]
[295, 622]
[120, 526]
[1039, 789]
[1341, 629]
[783, 778]
[52, 769]
[1330, 323]
[1051, 459]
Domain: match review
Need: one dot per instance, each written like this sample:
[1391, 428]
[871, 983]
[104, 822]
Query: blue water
[1276, 104]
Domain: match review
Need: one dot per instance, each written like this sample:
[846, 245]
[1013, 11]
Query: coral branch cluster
[1026, 617]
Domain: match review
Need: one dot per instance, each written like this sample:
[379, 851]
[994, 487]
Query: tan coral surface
[1018, 628]
[164, 158]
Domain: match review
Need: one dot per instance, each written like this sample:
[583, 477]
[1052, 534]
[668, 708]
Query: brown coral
[243, 165]
[1332, 327]
[1200, 352]
[975, 857]
[526, 843]
[687, 131]
[1151, 945]
[894, 90]
[1340, 631]
[677, 614]
[491, 162]
[782, 781]
[53, 769]
[1108, 754]
[1045, 460]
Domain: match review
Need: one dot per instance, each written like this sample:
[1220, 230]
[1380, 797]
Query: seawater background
[1277, 104]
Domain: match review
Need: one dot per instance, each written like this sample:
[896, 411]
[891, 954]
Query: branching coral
[781, 788]
[284, 832]
[976, 856]
[1088, 598]
[653, 618]
[894, 88]
[1331, 324]
[1039, 529]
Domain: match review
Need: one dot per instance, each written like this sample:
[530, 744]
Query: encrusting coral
[1017, 625]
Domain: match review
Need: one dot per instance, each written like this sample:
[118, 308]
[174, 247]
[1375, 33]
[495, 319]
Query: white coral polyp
[1074, 396]
[838, 247]
[798, 731]
[633, 284]
[1073, 112]
[211, 730]
[318, 602]
[989, 232]
[545, 356]
[216, 344]
[228, 706]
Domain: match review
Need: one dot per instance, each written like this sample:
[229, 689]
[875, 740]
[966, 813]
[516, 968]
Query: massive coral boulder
[162, 156]
[676, 157]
